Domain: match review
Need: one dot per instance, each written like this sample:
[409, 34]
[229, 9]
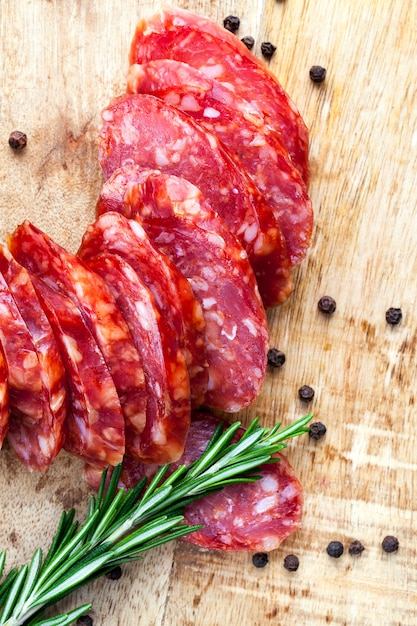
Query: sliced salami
[249, 516]
[243, 131]
[4, 396]
[167, 382]
[65, 272]
[94, 428]
[37, 443]
[175, 300]
[186, 229]
[178, 34]
[142, 129]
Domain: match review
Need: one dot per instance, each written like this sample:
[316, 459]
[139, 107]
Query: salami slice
[65, 272]
[172, 292]
[250, 516]
[242, 130]
[37, 443]
[187, 230]
[178, 34]
[142, 129]
[168, 409]
[94, 428]
[4, 396]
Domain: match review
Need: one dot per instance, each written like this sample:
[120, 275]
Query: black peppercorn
[317, 73]
[260, 559]
[115, 573]
[17, 140]
[268, 49]
[85, 620]
[276, 358]
[335, 549]
[356, 548]
[317, 431]
[393, 316]
[291, 562]
[248, 41]
[306, 393]
[232, 23]
[326, 304]
[390, 544]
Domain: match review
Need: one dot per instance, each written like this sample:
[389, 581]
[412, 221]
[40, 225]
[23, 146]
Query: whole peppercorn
[317, 73]
[115, 573]
[17, 140]
[327, 305]
[268, 49]
[232, 23]
[317, 431]
[260, 559]
[335, 549]
[248, 41]
[390, 544]
[291, 562]
[306, 393]
[275, 357]
[393, 316]
[356, 548]
[85, 620]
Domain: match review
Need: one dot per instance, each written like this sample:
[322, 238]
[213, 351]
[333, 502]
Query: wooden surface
[60, 63]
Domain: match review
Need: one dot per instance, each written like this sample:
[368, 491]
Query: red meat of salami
[142, 129]
[4, 396]
[172, 292]
[186, 229]
[66, 273]
[37, 443]
[249, 516]
[177, 34]
[94, 428]
[168, 389]
[242, 130]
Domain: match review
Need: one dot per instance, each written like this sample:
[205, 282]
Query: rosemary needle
[120, 526]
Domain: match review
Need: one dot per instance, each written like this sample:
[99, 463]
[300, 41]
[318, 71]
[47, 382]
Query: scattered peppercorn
[393, 316]
[335, 549]
[390, 544]
[17, 140]
[268, 49]
[260, 559]
[306, 393]
[115, 573]
[276, 358]
[232, 23]
[85, 620]
[356, 548]
[317, 430]
[291, 562]
[326, 304]
[248, 41]
[317, 73]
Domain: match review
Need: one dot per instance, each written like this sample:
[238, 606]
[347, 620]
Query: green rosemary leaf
[64, 619]
[14, 594]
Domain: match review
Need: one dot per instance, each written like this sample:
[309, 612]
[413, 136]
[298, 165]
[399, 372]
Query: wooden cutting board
[60, 64]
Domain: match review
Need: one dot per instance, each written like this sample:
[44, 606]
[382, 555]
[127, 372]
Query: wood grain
[60, 63]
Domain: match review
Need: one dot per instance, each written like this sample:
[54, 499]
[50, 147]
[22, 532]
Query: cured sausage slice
[37, 443]
[142, 129]
[172, 292]
[94, 428]
[186, 229]
[4, 395]
[249, 516]
[65, 272]
[168, 409]
[174, 33]
[238, 126]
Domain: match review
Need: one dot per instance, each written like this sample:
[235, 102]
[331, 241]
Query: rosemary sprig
[120, 525]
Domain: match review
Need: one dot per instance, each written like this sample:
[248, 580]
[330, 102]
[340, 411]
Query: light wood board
[60, 63]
